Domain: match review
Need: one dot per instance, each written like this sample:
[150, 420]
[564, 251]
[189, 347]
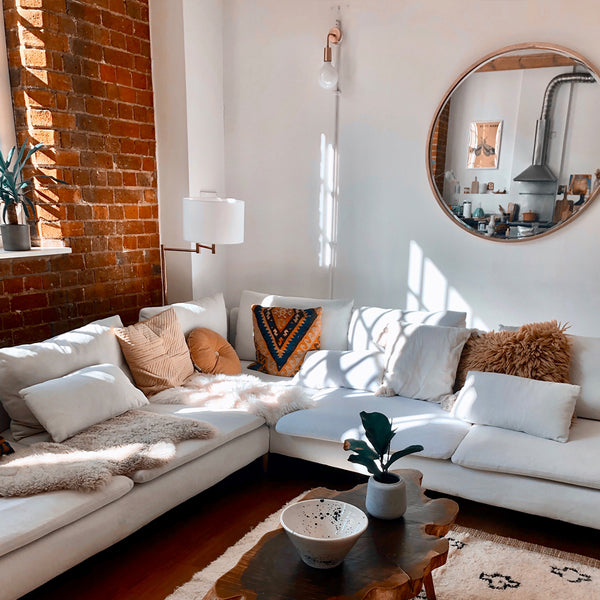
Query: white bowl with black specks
[323, 531]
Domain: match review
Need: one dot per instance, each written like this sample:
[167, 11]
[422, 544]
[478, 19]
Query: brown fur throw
[132, 441]
[536, 351]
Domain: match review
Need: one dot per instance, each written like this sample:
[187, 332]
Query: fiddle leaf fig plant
[15, 190]
[377, 457]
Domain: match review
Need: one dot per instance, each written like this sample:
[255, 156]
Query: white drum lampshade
[213, 220]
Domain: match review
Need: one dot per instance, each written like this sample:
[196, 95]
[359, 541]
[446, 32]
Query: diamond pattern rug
[480, 566]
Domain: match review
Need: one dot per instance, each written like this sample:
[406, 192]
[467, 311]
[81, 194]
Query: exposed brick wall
[439, 143]
[82, 85]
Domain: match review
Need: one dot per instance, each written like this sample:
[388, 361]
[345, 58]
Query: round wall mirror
[513, 149]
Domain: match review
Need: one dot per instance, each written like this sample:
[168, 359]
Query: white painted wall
[397, 60]
[170, 109]
[396, 247]
[187, 67]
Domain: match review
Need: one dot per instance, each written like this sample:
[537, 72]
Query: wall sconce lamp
[328, 76]
[206, 218]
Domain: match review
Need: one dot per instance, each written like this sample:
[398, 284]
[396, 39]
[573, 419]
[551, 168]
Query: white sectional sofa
[486, 464]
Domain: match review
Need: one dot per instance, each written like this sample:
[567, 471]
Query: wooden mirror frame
[474, 67]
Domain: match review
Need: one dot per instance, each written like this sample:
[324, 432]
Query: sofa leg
[265, 463]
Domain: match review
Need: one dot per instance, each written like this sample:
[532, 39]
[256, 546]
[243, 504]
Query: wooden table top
[390, 561]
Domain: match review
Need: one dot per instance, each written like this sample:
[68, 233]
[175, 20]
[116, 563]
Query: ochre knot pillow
[212, 353]
[283, 336]
[536, 351]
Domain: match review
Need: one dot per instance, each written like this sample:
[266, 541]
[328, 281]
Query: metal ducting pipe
[538, 170]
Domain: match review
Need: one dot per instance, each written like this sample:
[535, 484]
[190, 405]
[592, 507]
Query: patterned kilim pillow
[283, 336]
[5, 447]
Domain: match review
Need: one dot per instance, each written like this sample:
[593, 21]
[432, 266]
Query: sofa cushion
[505, 451]
[585, 372]
[336, 417]
[334, 324]
[25, 520]
[69, 404]
[536, 351]
[368, 323]
[156, 352]
[421, 360]
[23, 366]
[212, 353]
[209, 312]
[540, 408]
[230, 424]
[357, 370]
[283, 336]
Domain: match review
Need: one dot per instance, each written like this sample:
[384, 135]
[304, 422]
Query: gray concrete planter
[15, 237]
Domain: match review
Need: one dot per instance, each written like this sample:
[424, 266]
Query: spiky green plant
[379, 432]
[15, 190]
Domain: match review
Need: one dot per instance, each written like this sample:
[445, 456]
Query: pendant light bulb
[328, 76]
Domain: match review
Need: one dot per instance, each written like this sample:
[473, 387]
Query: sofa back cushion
[368, 323]
[209, 312]
[24, 366]
[334, 324]
[585, 372]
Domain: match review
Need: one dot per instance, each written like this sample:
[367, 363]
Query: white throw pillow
[23, 366]
[334, 320]
[341, 369]
[70, 404]
[540, 408]
[585, 371]
[421, 360]
[368, 324]
[209, 312]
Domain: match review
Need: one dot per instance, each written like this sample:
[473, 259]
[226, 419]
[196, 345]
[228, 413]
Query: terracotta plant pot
[15, 237]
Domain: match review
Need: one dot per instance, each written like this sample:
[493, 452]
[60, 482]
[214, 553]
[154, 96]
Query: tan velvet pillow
[536, 351]
[212, 353]
[156, 352]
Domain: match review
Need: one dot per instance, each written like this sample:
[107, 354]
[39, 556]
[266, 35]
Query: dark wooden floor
[151, 563]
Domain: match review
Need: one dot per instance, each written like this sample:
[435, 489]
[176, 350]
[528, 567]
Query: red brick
[29, 301]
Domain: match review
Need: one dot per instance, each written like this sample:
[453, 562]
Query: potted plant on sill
[386, 492]
[14, 191]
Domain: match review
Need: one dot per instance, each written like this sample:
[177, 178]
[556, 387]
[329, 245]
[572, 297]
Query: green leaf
[378, 430]
[360, 447]
[366, 462]
[400, 453]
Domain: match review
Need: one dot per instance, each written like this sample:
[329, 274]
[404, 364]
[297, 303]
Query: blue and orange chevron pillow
[283, 336]
[5, 447]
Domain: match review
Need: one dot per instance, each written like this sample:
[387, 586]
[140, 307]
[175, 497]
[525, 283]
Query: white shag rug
[479, 567]
[271, 401]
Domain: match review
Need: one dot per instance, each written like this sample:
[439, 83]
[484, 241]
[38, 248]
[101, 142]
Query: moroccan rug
[479, 566]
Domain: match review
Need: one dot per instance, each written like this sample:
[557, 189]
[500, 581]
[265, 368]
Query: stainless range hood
[539, 171]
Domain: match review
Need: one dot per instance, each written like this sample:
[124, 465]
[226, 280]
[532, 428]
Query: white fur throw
[132, 441]
[271, 401]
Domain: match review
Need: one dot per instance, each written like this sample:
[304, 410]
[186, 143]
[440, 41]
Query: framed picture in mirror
[484, 144]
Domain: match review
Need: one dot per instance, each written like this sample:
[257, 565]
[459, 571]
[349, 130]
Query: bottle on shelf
[475, 186]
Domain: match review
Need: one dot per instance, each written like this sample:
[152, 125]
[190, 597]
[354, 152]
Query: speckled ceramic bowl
[323, 531]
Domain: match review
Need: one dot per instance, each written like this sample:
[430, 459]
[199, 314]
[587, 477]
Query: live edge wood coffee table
[392, 560]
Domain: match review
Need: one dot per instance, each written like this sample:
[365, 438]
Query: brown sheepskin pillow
[212, 353]
[535, 351]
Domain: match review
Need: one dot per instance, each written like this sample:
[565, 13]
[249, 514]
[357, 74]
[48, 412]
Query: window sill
[33, 253]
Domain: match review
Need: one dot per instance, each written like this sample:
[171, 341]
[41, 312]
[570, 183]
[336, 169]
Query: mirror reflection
[513, 152]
